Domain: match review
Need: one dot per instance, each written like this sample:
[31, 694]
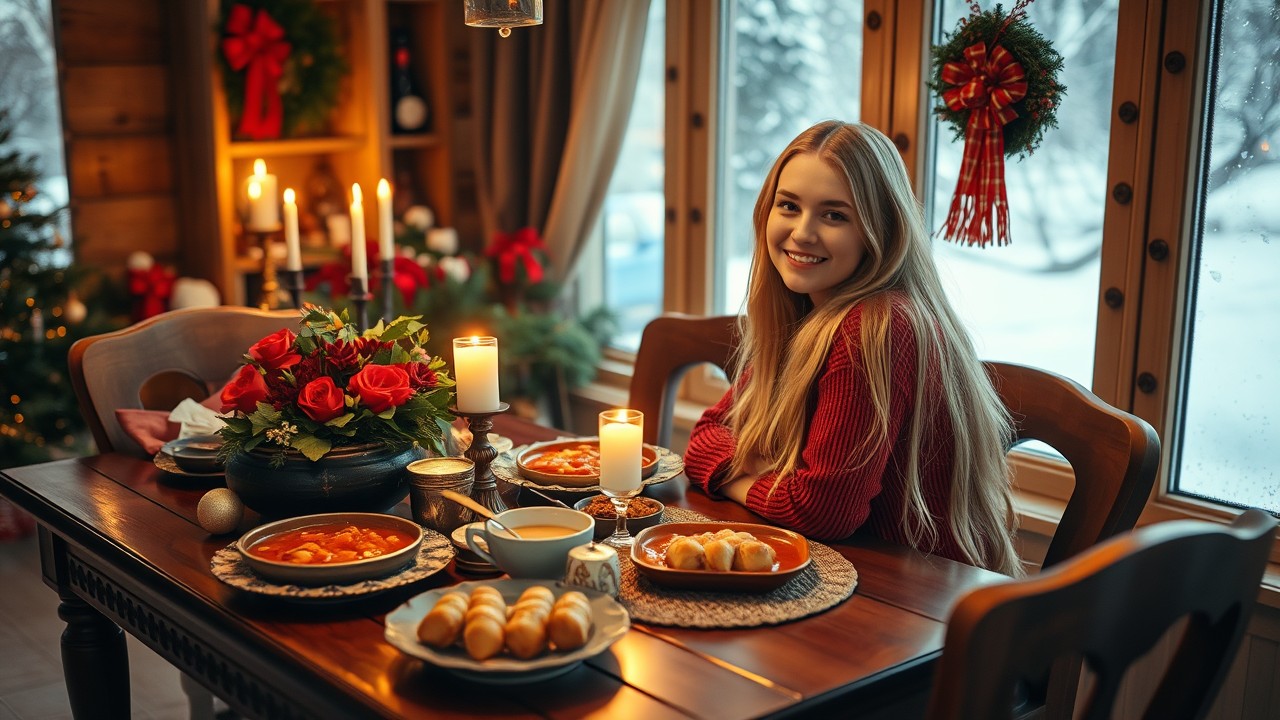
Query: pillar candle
[264, 208]
[621, 439]
[359, 265]
[386, 237]
[293, 250]
[475, 368]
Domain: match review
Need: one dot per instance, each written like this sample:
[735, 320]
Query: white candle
[475, 368]
[386, 237]
[264, 206]
[621, 439]
[359, 265]
[293, 250]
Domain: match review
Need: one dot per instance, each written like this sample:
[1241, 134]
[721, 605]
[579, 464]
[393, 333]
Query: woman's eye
[836, 216]
[787, 205]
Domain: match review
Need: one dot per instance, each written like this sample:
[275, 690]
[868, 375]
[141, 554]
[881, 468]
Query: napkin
[195, 419]
[151, 429]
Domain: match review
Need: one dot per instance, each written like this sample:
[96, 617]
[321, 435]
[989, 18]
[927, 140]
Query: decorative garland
[282, 66]
[998, 80]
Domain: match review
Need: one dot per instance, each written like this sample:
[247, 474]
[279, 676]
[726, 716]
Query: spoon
[545, 496]
[477, 508]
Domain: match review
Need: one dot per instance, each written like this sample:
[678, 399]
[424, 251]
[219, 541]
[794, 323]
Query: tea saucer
[466, 560]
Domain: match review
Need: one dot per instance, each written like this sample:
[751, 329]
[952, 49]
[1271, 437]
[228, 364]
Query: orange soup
[331, 543]
[537, 532]
[583, 459]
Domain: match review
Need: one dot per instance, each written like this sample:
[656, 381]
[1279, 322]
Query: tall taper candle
[293, 250]
[359, 263]
[264, 208]
[475, 366]
[386, 236]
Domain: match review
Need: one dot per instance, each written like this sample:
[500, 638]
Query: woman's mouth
[803, 258]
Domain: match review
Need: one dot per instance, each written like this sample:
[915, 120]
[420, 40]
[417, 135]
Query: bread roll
[685, 553]
[719, 555]
[441, 626]
[537, 592]
[754, 556]
[483, 635]
[485, 595]
[569, 626]
[526, 634]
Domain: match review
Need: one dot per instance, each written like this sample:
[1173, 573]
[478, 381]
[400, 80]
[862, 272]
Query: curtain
[551, 105]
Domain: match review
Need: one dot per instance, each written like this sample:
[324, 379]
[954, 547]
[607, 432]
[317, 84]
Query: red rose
[381, 387]
[275, 351]
[421, 376]
[321, 399]
[244, 391]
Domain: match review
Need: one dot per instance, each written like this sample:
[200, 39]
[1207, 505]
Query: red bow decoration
[151, 289]
[257, 42]
[987, 85]
[517, 247]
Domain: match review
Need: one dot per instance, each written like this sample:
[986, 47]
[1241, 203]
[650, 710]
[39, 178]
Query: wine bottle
[408, 106]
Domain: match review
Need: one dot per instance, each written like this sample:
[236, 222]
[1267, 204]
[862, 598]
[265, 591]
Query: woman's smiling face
[812, 232]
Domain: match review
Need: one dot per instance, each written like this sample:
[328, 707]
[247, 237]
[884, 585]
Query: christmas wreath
[282, 66]
[997, 79]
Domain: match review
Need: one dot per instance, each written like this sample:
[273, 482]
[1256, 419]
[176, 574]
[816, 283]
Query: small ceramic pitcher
[594, 566]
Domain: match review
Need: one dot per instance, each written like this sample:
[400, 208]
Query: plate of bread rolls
[507, 631]
[724, 556]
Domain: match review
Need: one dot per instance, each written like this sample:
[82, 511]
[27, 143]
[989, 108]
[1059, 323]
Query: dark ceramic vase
[358, 478]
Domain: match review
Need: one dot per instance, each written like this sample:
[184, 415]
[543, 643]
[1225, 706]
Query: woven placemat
[823, 585]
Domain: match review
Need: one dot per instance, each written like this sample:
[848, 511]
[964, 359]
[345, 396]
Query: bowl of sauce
[331, 548]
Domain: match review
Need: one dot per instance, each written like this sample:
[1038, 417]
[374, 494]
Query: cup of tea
[546, 534]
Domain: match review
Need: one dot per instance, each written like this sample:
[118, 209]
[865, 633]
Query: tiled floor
[31, 684]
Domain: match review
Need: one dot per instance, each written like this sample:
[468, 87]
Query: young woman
[860, 400]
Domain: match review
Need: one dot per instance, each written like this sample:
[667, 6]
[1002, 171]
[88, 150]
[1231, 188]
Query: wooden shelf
[413, 142]
[295, 146]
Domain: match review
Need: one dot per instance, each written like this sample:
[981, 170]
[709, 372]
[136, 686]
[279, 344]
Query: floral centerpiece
[330, 386]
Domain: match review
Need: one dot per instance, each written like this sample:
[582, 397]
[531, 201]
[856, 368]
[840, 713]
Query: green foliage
[41, 297]
[313, 72]
[1037, 111]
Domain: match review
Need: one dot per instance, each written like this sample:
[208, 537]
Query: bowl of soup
[541, 544]
[331, 548]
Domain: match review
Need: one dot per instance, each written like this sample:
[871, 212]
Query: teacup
[547, 535]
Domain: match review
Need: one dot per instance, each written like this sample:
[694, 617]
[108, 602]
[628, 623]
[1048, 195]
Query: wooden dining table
[121, 546]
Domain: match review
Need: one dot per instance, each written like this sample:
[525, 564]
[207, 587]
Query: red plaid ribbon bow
[257, 42]
[517, 247]
[987, 85]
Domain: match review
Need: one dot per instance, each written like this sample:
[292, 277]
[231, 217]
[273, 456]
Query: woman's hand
[737, 488]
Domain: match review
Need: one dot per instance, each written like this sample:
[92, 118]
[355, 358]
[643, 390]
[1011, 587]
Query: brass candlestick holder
[482, 453]
[294, 284]
[267, 298]
[360, 299]
[388, 287]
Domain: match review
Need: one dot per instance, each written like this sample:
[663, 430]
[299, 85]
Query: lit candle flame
[356, 196]
[289, 196]
[259, 167]
[384, 188]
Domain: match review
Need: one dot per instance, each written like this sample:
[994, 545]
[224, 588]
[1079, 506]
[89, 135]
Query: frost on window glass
[1229, 424]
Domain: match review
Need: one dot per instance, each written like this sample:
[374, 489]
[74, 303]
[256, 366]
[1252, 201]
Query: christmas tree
[45, 302]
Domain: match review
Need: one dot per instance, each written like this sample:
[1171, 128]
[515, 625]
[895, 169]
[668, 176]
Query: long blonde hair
[771, 412]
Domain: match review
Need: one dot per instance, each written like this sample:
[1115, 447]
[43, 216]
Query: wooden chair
[1111, 604]
[1115, 455]
[669, 346]
[156, 363]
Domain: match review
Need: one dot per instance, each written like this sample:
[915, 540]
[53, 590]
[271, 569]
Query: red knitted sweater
[834, 490]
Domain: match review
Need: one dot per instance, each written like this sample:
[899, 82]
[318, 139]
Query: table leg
[95, 661]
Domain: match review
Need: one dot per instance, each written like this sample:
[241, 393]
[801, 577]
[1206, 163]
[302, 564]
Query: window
[1228, 423]
[786, 65]
[1145, 228]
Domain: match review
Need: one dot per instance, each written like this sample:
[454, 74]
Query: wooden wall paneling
[103, 167]
[127, 32]
[1261, 676]
[116, 99]
[107, 231]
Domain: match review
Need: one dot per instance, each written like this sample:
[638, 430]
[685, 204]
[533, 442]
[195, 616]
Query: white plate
[609, 622]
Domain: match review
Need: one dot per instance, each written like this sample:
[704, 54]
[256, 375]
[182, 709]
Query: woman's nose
[803, 231]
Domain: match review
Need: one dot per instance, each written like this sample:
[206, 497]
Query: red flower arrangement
[329, 385]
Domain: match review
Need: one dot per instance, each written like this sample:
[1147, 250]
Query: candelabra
[388, 287]
[482, 453]
[294, 284]
[360, 300]
[267, 298]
